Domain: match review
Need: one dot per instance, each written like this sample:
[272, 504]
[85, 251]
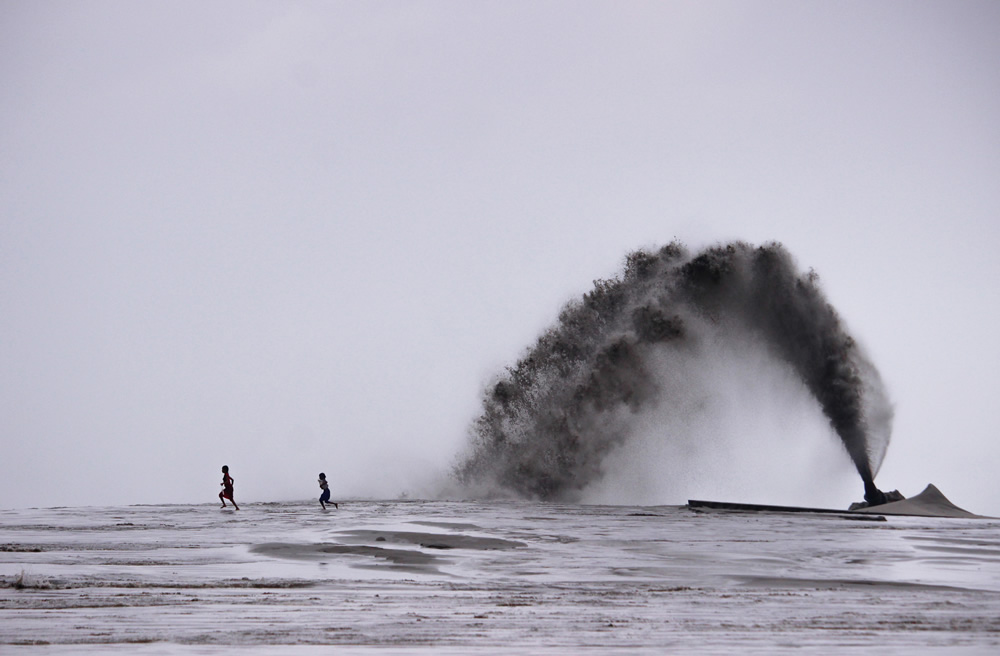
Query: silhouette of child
[325, 497]
[227, 488]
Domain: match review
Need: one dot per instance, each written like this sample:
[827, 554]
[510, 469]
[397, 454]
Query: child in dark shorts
[325, 497]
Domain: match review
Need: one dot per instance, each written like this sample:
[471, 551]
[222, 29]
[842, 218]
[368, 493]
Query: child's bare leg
[222, 499]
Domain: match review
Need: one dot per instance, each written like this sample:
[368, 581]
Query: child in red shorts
[227, 488]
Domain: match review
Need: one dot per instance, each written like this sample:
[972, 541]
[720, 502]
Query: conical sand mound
[929, 503]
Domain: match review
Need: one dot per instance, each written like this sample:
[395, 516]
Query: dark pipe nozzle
[873, 495]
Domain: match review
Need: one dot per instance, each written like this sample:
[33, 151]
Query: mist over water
[686, 368]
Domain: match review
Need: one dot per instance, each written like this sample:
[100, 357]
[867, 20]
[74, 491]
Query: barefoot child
[227, 488]
[325, 497]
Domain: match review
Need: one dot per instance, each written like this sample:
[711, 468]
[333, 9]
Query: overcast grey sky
[295, 236]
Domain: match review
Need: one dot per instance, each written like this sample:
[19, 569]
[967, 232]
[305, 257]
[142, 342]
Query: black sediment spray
[549, 423]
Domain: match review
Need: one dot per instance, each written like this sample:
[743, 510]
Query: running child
[227, 488]
[325, 497]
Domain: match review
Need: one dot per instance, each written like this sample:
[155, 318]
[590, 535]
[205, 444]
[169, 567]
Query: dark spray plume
[550, 422]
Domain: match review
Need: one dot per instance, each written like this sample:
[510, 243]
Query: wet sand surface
[459, 577]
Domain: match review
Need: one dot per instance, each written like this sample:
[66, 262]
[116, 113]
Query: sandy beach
[429, 577]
